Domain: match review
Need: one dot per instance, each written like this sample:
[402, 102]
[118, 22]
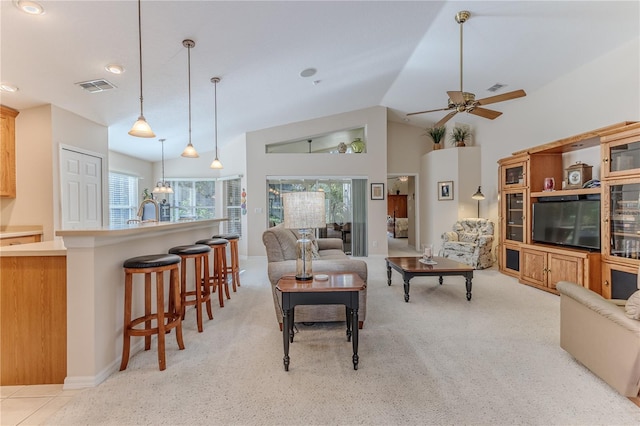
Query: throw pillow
[467, 237]
[632, 307]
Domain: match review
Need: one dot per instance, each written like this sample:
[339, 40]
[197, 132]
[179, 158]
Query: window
[232, 197]
[123, 198]
[192, 199]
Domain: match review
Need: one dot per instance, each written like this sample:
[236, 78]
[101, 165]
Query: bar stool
[200, 294]
[219, 277]
[234, 268]
[165, 321]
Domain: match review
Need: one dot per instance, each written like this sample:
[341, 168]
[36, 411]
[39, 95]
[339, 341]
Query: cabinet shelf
[582, 191]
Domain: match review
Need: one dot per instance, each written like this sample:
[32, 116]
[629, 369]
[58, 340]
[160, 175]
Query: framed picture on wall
[377, 191]
[445, 190]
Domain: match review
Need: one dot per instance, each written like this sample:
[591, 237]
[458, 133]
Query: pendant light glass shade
[189, 151]
[141, 128]
[216, 164]
[163, 187]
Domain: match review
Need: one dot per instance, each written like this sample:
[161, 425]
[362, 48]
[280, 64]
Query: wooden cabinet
[26, 239]
[33, 317]
[397, 204]
[544, 267]
[7, 152]
[618, 281]
[521, 185]
[620, 151]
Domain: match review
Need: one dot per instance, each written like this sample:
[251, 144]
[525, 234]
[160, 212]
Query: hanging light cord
[215, 114]
[189, 70]
[140, 49]
[163, 181]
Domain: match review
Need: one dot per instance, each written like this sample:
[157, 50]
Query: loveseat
[280, 244]
[469, 242]
[598, 333]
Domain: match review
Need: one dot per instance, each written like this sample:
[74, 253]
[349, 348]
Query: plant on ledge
[436, 133]
[459, 135]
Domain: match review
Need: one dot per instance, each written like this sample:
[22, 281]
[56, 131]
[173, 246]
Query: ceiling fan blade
[486, 113]
[431, 110]
[456, 97]
[445, 119]
[499, 98]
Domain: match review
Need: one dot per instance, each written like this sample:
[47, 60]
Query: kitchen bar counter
[45, 248]
[95, 290]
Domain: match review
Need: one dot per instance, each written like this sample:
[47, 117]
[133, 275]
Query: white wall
[371, 165]
[33, 204]
[603, 92]
[460, 165]
[39, 133]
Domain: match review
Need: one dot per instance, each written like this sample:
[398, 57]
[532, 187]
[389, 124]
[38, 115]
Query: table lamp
[304, 211]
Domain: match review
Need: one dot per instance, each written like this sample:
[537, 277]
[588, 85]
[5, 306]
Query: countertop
[19, 231]
[45, 248]
[134, 228]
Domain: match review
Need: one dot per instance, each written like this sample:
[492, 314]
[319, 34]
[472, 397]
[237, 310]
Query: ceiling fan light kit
[461, 101]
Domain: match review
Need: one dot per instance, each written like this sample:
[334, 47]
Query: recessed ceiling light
[30, 7]
[8, 88]
[308, 72]
[114, 68]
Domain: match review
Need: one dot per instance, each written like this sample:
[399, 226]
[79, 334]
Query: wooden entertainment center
[612, 271]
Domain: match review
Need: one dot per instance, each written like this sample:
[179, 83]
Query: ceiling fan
[461, 101]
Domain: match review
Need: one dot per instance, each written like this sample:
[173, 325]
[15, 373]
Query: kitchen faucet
[141, 211]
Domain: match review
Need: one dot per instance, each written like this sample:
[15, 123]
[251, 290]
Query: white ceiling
[402, 55]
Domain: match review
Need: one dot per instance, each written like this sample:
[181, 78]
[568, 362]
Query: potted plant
[436, 133]
[459, 135]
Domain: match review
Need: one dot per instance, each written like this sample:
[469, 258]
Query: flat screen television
[567, 223]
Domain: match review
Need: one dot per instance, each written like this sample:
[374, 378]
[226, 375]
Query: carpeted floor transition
[438, 359]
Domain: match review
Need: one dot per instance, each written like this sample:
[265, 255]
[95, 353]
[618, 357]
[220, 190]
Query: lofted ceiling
[401, 55]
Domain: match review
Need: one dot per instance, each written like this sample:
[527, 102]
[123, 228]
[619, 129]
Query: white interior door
[81, 197]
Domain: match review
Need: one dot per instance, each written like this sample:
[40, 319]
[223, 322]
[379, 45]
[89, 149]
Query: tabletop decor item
[436, 133]
[357, 145]
[459, 135]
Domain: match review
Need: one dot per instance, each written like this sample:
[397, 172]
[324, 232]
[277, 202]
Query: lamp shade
[304, 210]
[478, 195]
[142, 129]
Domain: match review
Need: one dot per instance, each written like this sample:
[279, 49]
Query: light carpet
[438, 359]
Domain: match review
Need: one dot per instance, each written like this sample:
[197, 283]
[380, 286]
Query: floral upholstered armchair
[470, 242]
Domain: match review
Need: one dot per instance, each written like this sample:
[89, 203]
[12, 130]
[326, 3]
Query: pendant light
[216, 164]
[141, 128]
[163, 187]
[189, 151]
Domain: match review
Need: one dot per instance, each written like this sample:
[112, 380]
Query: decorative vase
[437, 146]
[357, 145]
[342, 148]
[460, 143]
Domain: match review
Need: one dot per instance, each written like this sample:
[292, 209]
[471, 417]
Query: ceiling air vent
[95, 86]
[496, 87]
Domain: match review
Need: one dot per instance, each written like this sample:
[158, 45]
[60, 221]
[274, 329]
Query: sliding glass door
[339, 207]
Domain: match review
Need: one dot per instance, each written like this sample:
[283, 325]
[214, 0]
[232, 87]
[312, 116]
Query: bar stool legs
[218, 279]
[200, 294]
[234, 268]
[165, 321]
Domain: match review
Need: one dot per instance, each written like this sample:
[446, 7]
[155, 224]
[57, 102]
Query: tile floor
[31, 405]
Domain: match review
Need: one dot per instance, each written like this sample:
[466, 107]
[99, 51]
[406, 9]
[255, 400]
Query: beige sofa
[597, 333]
[280, 244]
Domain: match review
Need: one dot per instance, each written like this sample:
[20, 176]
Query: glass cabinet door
[624, 157]
[514, 216]
[513, 175]
[624, 220]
